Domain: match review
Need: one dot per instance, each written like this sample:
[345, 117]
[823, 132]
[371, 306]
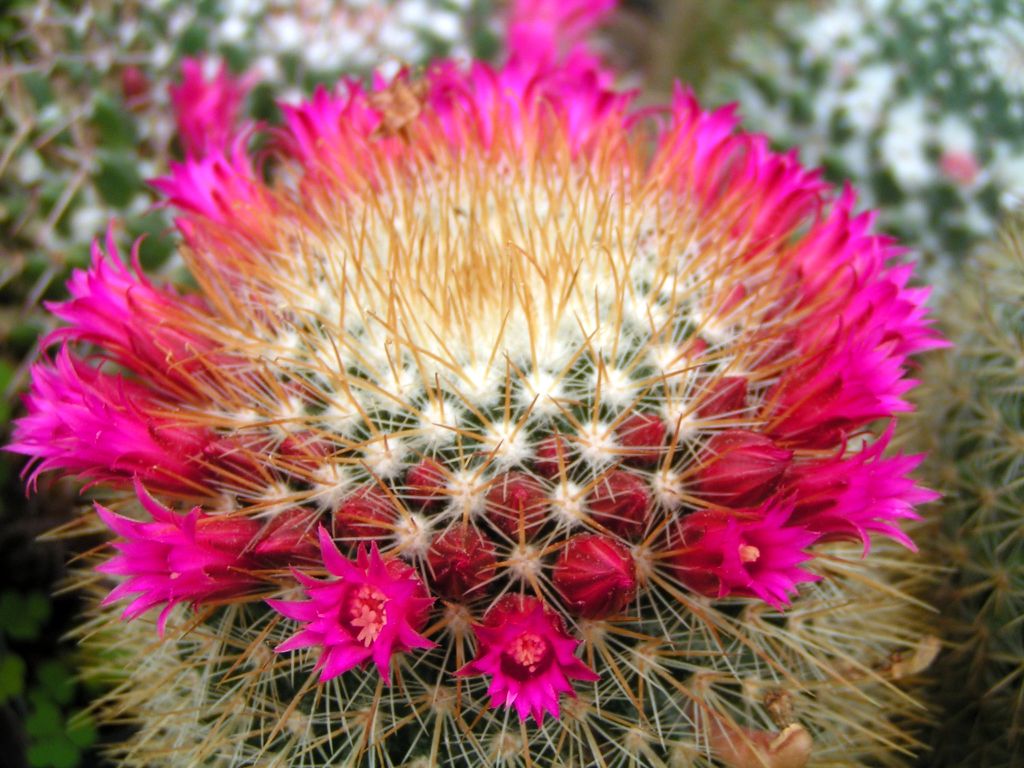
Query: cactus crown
[511, 419]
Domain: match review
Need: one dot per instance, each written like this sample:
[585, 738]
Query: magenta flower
[525, 649]
[376, 608]
[852, 496]
[194, 558]
[105, 428]
[553, 27]
[754, 552]
[143, 327]
[207, 109]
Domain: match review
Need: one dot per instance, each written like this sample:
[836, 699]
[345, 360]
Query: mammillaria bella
[468, 364]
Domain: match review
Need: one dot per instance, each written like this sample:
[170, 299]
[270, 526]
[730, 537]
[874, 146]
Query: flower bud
[461, 562]
[289, 536]
[516, 500]
[741, 468]
[727, 395]
[365, 514]
[595, 575]
[621, 502]
[642, 437]
[427, 482]
[551, 455]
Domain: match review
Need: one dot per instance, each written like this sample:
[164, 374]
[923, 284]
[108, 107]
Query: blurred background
[919, 103]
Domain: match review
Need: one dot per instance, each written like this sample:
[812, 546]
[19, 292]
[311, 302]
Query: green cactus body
[973, 425]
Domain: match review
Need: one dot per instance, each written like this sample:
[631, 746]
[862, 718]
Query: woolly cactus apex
[919, 103]
[502, 339]
[972, 421]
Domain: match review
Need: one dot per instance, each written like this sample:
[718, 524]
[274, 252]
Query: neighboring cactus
[502, 423]
[919, 103]
[972, 421]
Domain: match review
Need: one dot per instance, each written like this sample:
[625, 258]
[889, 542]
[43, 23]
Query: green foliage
[57, 733]
[22, 616]
[12, 677]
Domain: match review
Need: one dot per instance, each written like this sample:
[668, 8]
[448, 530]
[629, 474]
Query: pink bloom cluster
[150, 387]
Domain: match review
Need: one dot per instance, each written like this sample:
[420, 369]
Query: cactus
[501, 422]
[919, 103]
[972, 422]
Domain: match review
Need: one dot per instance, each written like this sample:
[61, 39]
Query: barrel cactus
[919, 103]
[503, 423]
[972, 421]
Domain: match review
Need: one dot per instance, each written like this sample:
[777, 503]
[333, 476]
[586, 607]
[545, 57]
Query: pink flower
[851, 496]
[863, 324]
[961, 167]
[105, 428]
[193, 558]
[550, 29]
[143, 327]
[221, 187]
[751, 553]
[530, 657]
[207, 109]
[375, 609]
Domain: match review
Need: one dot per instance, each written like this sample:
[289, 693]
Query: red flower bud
[365, 514]
[302, 451]
[741, 468]
[595, 575]
[642, 437]
[134, 86]
[726, 395]
[427, 482]
[461, 561]
[290, 536]
[546, 461]
[516, 499]
[621, 502]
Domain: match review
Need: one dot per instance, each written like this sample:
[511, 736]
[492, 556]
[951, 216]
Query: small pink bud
[695, 348]
[461, 562]
[365, 514]
[551, 455]
[289, 536]
[303, 450]
[642, 437]
[621, 502]
[727, 395]
[427, 482]
[595, 575]
[134, 86]
[516, 499]
[741, 468]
